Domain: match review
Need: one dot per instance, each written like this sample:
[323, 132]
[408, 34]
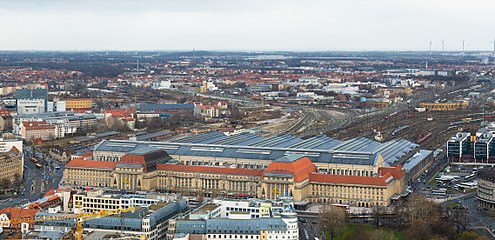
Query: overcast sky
[246, 25]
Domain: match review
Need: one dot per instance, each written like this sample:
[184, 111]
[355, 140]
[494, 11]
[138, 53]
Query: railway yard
[429, 129]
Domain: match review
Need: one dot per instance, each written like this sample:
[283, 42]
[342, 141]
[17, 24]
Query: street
[37, 181]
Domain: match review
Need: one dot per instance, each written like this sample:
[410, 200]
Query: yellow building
[11, 164]
[150, 168]
[448, 106]
[78, 104]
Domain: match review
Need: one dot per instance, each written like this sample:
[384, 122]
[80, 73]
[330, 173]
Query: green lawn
[353, 230]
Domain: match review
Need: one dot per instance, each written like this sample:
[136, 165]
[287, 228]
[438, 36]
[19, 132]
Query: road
[37, 181]
[308, 231]
[477, 218]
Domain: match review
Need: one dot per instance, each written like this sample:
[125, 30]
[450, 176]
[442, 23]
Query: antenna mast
[430, 46]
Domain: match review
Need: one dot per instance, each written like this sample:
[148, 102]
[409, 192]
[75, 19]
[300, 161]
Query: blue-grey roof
[144, 150]
[283, 140]
[415, 159]
[46, 115]
[318, 142]
[230, 226]
[359, 144]
[245, 152]
[148, 136]
[290, 158]
[118, 146]
[240, 139]
[208, 137]
[37, 93]
[133, 220]
[394, 150]
[145, 107]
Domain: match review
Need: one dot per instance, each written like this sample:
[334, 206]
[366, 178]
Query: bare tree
[17, 180]
[422, 209]
[377, 212]
[331, 220]
[4, 184]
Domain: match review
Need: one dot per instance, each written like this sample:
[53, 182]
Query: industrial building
[447, 106]
[164, 110]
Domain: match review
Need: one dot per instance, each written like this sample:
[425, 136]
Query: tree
[380, 234]
[17, 180]
[419, 230]
[331, 220]
[422, 209]
[4, 184]
[377, 212]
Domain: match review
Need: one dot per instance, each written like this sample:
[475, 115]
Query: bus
[34, 160]
[439, 192]
[469, 177]
[38, 165]
[341, 206]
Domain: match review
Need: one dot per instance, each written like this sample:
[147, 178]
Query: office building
[485, 192]
[150, 222]
[97, 200]
[284, 227]
[31, 101]
[79, 105]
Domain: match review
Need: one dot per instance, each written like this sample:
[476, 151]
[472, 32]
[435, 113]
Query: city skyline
[356, 25]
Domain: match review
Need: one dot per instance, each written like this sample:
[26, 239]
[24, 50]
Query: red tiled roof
[52, 198]
[344, 179]
[15, 213]
[203, 169]
[300, 168]
[4, 112]
[80, 163]
[134, 159]
[395, 171]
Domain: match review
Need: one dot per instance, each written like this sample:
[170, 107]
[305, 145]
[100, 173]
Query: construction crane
[80, 218]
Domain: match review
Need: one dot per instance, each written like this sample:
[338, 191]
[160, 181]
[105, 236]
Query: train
[423, 137]
[399, 129]
[391, 115]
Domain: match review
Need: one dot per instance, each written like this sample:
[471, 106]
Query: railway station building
[359, 172]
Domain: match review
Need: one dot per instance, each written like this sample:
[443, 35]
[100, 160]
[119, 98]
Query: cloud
[245, 25]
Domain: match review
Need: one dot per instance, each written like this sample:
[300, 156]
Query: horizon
[219, 25]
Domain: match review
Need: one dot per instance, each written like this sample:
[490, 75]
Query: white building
[111, 200]
[7, 143]
[30, 106]
[164, 84]
[239, 219]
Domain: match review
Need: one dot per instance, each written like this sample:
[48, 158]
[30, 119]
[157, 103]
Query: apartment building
[11, 164]
[42, 130]
[78, 105]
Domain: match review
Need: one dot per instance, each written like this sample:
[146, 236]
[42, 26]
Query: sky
[252, 25]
